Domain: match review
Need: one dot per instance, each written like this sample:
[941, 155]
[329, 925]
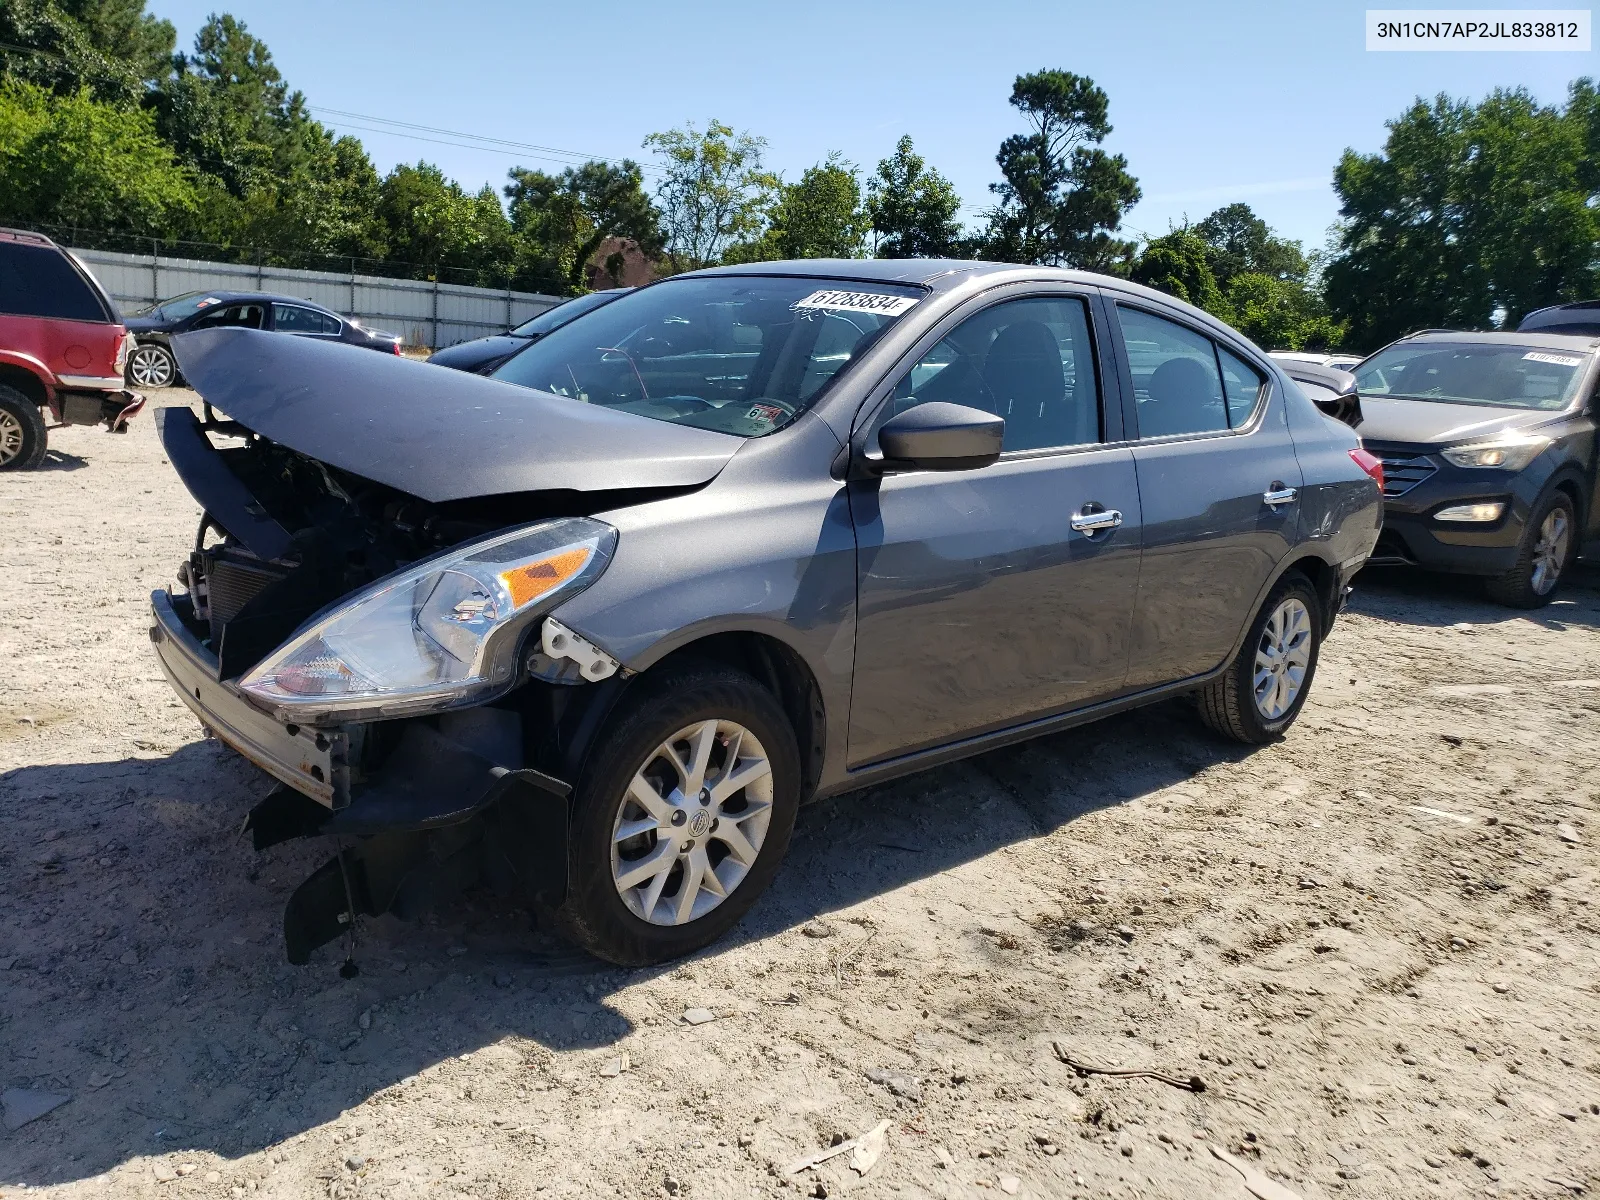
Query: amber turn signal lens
[527, 583]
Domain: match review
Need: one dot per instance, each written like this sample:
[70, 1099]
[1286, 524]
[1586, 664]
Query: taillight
[1370, 463]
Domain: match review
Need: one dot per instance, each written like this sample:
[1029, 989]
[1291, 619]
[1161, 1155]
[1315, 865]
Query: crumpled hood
[1426, 423]
[435, 433]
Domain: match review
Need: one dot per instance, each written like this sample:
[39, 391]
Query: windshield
[179, 307]
[1462, 373]
[555, 318]
[740, 354]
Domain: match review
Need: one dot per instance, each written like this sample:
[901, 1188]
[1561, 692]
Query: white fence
[425, 314]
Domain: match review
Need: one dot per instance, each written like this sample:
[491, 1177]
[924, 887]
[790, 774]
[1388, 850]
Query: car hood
[438, 435]
[145, 324]
[1429, 423]
[474, 355]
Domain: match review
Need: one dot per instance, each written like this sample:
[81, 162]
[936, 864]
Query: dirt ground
[1377, 943]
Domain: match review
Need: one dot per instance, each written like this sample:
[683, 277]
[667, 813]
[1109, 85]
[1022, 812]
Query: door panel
[980, 606]
[1211, 540]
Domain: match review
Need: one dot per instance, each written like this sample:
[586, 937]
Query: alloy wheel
[1550, 551]
[10, 437]
[693, 822]
[1283, 656]
[150, 366]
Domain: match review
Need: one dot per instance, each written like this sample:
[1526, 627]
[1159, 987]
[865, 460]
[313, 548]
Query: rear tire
[1264, 688]
[664, 860]
[23, 438]
[151, 365]
[1547, 549]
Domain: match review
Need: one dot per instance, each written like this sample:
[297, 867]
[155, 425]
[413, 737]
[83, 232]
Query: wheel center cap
[700, 823]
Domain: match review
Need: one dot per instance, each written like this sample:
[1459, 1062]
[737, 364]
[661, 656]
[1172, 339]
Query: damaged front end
[391, 662]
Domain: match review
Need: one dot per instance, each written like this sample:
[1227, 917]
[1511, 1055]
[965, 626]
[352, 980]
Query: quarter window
[1176, 382]
[1029, 361]
[1241, 385]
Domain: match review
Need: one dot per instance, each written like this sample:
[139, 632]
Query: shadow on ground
[146, 976]
[1435, 599]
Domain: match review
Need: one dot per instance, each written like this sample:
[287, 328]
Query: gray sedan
[593, 628]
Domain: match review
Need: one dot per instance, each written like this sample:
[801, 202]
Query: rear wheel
[1546, 549]
[23, 439]
[1263, 690]
[682, 817]
[151, 365]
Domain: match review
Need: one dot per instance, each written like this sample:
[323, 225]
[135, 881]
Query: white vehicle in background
[1339, 362]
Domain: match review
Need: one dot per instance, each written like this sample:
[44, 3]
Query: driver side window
[241, 316]
[1029, 361]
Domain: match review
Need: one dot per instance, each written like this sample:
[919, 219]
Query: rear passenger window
[1241, 384]
[38, 281]
[1175, 378]
[1029, 361]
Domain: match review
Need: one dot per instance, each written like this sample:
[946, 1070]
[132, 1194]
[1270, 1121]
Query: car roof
[229, 297]
[26, 238]
[1531, 337]
[948, 274]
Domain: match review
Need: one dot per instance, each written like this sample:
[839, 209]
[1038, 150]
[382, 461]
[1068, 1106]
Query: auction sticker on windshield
[1560, 360]
[867, 302]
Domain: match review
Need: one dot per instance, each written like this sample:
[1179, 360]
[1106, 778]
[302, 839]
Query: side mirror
[941, 437]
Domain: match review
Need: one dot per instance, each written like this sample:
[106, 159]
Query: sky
[1210, 104]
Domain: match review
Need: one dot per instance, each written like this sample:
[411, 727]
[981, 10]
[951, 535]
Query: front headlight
[1509, 451]
[439, 634]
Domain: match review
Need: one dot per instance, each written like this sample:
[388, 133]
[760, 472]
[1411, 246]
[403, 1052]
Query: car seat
[1180, 391]
[1023, 373]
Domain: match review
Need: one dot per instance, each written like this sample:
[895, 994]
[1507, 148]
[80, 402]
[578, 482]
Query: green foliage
[1178, 263]
[563, 219]
[1468, 208]
[432, 220]
[714, 193]
[913, 208]
[112, 48]
[1239, 242]
[1281, 314]
[821, 216]
[1062, 196]
[1233, 266]
[71, 160]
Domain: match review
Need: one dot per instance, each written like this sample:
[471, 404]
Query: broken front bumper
[311, 761]
[437, 815]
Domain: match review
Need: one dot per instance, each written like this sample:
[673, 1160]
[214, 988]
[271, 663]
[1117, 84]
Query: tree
[913, 208]
[73, 161]
[1178, 263]
[1281, 314]
[1241, 242]
[714, 192]
[1467, 209]
[112, 48]
[562, 220]
[433, 222]
[1062, 196]
[821, 216]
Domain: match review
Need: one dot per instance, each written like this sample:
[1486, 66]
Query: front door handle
[1278, 494]
[1094, 522]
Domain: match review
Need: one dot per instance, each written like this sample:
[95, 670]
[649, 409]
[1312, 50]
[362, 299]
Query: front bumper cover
[436, 816]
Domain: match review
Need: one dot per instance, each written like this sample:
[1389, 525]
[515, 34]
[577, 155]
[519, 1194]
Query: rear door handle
[1278, 494]
[1094, 522]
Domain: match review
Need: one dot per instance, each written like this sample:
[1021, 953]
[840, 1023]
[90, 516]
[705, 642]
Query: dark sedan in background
[151, 363]
[482, 355]
[594, 627]
[1488, 449]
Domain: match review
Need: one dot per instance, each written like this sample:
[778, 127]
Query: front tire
[1263, 690]
[1545, 552]
[151, 365]
[681, 816]
[23, 438]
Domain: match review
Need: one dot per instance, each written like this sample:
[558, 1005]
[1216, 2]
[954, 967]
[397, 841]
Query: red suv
[62, 349]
